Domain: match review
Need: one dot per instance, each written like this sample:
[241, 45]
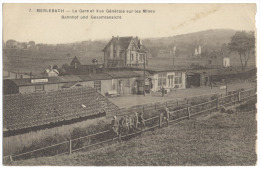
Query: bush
[214, 97]
[50, 140]
[247, 106]
[222, 109]
[76, 133]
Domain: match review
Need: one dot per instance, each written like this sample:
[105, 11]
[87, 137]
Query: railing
[155, 121]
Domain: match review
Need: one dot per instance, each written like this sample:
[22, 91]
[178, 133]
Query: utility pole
[228, 69]
[144, 74]
[173, 55]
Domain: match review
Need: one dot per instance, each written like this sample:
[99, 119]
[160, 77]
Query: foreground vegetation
[211, 139]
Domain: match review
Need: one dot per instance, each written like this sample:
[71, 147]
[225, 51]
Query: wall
[51, 87]
[155, 83]
[183, 80]
[156, 77]
[133, 86]
[88, 83]
[106, 85]
[9, 87]
[26, 89]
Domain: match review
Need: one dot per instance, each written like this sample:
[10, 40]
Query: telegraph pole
[144, 75]
[228, 69]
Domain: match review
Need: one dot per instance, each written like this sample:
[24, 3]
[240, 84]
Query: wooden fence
[152, 120]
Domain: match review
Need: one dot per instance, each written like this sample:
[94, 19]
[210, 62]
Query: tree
[244, 44]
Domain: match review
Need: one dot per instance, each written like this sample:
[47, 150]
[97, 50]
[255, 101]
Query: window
[170, 80]
[97, 85]
[178, 78]
[39, 87]
[132, 57]
[162, 80]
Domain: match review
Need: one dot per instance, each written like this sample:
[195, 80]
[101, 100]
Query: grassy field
[211, 139]
[26, 61]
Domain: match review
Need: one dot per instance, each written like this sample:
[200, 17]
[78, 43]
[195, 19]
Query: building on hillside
[197, 50]
[51, 72]
[77, 68]
[226, 62]
[31, 45]
[124, 51]
[11, 44]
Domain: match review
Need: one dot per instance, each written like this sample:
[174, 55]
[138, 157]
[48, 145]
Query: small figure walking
[163, 91]
[114, 127]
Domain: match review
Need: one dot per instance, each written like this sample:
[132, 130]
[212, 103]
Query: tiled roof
[22, 111]
[100, 76]
[63, 79]
[123, 74]
[122, 41]
[70, 84]
[51, 80]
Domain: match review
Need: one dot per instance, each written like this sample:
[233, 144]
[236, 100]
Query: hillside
[36, 61]
[209, 40]
[216, 139]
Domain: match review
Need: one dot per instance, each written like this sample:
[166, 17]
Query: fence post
[188, 110]
[217, 103]
[160, 120]
[239, 97]
[70, 146]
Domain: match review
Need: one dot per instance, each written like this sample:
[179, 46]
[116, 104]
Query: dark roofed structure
[75, 61]
[23, 111]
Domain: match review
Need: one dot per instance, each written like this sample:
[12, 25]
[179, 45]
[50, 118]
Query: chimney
[140, 42]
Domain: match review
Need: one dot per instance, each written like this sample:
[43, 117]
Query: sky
[21, 22]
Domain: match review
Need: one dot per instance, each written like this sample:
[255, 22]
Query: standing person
[114, 124]
[136, 121]
[162, 91]
[130, 123]
[127, 126]
[141, 120]
[121, 127]
[167, 115]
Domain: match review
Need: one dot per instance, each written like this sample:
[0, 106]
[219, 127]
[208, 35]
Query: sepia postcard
[129, 84]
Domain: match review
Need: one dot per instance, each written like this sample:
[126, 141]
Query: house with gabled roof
[124, 51]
